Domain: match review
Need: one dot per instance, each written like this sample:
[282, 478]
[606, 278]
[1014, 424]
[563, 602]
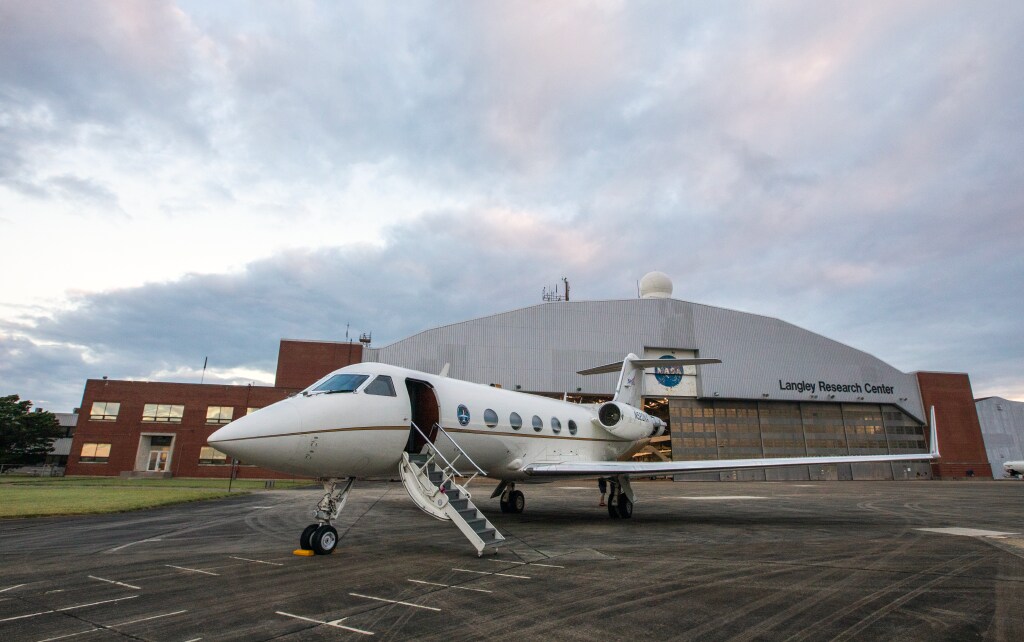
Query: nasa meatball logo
[669, 376]
[463, 414]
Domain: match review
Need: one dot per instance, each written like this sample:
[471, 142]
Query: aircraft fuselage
[359, 434]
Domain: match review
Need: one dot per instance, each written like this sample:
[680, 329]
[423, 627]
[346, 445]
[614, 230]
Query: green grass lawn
[41, 496]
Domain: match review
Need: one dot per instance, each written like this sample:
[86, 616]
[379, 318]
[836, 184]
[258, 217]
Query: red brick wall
[960, 442]
[300, 363]
[190, 435]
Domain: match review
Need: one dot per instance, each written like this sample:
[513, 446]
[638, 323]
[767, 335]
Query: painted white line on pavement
[464, 588]
[466, 570]
[333, 623]
[131, 586]
[381, 599]
[246, 559]
[69, 635]
[67, 608]
[141, 541]
[193, 570]
[151, 617]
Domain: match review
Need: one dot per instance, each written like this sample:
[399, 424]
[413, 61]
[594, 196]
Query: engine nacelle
[629, 423]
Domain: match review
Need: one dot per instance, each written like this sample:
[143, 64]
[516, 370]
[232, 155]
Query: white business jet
[373, 419]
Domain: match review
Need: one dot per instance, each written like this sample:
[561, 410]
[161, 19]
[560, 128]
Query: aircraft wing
[643, 469]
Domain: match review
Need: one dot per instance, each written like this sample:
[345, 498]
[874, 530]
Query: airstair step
[422, 473]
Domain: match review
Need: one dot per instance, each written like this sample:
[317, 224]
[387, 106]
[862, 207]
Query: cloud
[287, 169]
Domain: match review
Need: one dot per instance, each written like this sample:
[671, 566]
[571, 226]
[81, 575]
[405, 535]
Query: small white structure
[655, 285]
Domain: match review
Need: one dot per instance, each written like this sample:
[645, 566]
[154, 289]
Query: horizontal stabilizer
[616, 366]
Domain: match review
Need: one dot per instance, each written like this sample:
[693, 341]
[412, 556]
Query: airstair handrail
[460, 449]
[436, 451]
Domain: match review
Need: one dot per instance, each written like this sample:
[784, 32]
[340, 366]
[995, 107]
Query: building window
[219, 414]
[538, 423]
[381, 386]
[250, 410]
[104, 411]
[93, 453]
[490, 418]
[211, 456]
[162, 413]
[515, 420]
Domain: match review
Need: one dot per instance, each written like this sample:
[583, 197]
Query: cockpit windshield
[341, 383]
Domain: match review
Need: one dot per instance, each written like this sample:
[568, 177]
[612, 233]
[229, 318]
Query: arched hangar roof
[540, 348]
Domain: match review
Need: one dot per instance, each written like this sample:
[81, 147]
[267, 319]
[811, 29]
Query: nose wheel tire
[324, 539]
[516, 501]
[305, 540]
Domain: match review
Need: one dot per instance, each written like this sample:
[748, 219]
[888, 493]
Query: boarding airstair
[429, 479]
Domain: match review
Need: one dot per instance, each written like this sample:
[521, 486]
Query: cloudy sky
[192, 179]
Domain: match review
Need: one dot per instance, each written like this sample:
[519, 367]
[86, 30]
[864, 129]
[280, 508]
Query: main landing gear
[321, 537]
[512, 500]
[620, 498]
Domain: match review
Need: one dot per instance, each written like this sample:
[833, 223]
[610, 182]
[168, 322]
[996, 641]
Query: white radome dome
[655, 285]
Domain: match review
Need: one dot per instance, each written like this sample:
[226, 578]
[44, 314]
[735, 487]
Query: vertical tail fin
[630, 388]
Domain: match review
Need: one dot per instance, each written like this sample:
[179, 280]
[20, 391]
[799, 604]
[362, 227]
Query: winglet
[934, 437]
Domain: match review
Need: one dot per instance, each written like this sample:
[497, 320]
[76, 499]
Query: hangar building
[780, 391]
[1002, 426]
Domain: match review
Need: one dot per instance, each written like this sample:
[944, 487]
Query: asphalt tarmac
[709, 561]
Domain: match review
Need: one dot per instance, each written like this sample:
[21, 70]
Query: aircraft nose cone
[242, 436]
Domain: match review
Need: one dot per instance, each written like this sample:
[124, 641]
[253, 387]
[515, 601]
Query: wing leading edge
[630, 469]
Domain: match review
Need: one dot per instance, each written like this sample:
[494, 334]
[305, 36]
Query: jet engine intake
[626, 422]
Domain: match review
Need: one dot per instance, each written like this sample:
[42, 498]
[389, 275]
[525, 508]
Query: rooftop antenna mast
[549, 295]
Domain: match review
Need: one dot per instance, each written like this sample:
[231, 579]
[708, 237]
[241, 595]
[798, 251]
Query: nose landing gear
[512, 500]
[321, 537]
